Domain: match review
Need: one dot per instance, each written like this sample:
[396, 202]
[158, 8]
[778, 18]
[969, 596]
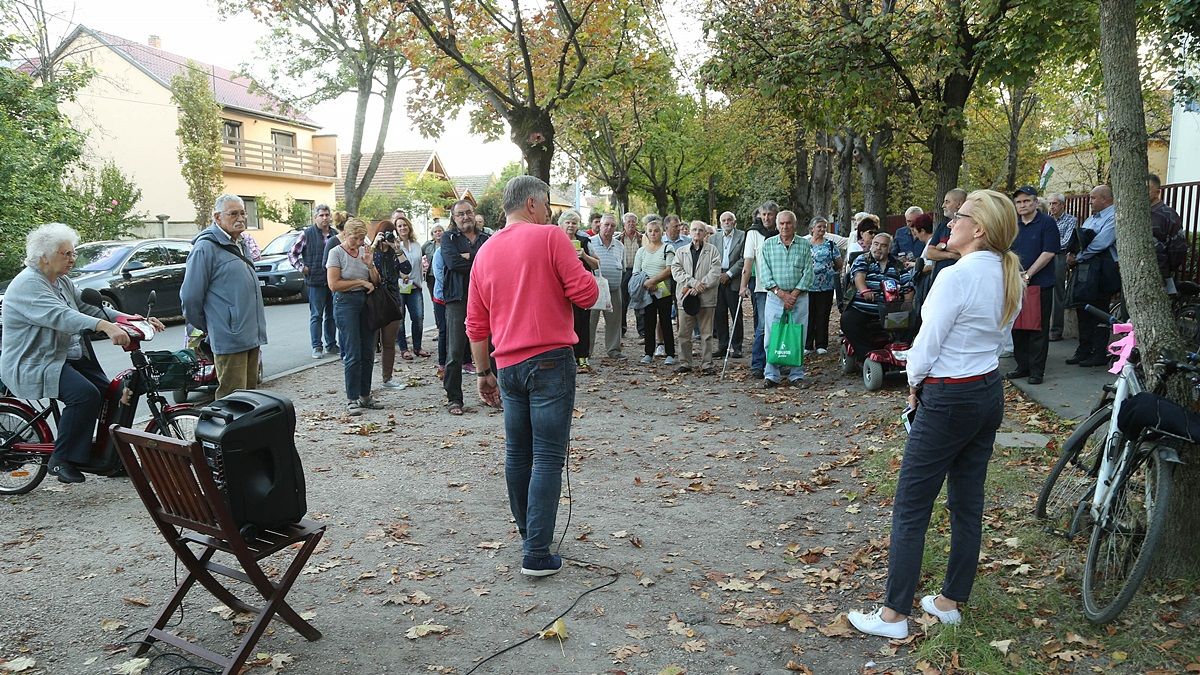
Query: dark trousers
[1093, 335]
[456, 343]
[658, 313]
[439, 320]
[81, 387]
[951, 441]
[863, 331]
[1030, 346]
[728, 302]
[583, 331]
[1060, 295]
[820, 305]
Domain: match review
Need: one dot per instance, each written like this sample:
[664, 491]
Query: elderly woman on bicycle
[44, 355]
[958, 395]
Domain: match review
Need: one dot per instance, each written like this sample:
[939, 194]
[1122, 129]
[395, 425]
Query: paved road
[287, 347]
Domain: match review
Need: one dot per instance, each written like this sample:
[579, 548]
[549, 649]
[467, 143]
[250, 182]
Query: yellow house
[270, 151]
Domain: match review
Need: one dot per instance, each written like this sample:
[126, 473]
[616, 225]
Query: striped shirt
[876, 273]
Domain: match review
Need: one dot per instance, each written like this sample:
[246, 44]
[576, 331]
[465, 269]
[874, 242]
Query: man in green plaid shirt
[786, 269]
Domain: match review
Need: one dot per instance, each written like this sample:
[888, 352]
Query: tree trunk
[821, 181]
[844, 143]
[621, 196]
[356, 188]
[905, 200]
[678, 204]
[868, 156]
[661, 198]
[532, 131]
[1021, 103]
[1179, 548]
[946, 142]
[712, 198]
[800, 203]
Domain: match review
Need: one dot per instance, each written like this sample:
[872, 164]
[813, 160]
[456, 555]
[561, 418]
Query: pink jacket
[523, 283]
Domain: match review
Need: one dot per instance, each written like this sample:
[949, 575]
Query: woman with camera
[408, 249]
[391, 265]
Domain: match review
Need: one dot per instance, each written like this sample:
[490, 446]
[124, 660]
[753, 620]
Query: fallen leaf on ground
[423, 629]
[20, 665]
[111, 624]
[695, 646]
[557, 629]
[494, 545]
[736, 585]
[131, 667]
[798, 667]
[673, 670]
[1001, 645]
[839, 627]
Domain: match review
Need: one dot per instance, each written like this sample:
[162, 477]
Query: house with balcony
[272, 153]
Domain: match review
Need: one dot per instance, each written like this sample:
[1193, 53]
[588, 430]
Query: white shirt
[961, 334]
[727, 239]
[754, 241]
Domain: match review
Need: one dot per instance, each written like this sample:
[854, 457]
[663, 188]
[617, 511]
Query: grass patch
[1025, 613]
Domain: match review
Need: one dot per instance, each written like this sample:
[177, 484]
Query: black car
[276, 275]
[125, 272]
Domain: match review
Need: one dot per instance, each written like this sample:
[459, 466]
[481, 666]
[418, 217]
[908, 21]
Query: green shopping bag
[787, 343]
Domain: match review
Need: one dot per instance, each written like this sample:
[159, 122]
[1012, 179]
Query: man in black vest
[460, 244]
[308, 256]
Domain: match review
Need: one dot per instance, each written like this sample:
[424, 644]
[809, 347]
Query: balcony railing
[245, 154]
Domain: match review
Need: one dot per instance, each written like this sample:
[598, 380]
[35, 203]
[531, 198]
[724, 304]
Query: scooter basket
[172, 370]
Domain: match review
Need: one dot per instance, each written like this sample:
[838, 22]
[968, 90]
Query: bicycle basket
[172, 370]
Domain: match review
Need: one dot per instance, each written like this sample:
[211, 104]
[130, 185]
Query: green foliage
[299, 215]
[199, 134]
[39, 149]
[105, 204]
[415, 195]
[1179, 41]
[268, 209]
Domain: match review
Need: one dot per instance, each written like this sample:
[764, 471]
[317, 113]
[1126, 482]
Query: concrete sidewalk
[1069, 391]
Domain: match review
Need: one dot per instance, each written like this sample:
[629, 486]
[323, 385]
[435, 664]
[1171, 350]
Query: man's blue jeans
[320, 311]
[538, 395]
[758, 351]
[414, 306]
[772, 310]
[358, 342]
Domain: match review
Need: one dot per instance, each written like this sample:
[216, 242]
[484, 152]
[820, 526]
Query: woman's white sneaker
[873, 624]
[949, 618]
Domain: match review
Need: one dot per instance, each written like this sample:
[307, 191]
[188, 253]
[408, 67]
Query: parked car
[275, 272]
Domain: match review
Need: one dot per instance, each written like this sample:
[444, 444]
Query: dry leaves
[423, 629]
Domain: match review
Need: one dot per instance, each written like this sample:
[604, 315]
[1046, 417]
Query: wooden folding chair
[177, 486]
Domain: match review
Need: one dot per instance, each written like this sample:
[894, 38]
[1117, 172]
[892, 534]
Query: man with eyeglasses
[221, 296]
[1067, 238]
[460, 245]
[308, 256]
[936, 250]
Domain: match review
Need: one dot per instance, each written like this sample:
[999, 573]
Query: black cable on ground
[566, 527]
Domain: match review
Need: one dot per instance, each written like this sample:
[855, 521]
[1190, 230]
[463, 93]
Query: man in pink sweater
[522, 286]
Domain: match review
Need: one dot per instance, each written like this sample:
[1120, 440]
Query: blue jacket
[221, 296]
[457, 269]
[639, 297]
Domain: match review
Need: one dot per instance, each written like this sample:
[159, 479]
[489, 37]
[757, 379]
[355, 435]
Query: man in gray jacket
[730, 243]
[221, 297]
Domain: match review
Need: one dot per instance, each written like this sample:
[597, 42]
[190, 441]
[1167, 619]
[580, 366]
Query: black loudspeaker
[249, 439]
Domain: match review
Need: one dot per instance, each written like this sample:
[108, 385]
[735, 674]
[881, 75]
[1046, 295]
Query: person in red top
[523, 284]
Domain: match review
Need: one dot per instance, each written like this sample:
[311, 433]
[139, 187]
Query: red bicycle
[27, 427]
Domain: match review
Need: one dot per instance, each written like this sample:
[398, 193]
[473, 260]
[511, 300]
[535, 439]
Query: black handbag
[382, 308]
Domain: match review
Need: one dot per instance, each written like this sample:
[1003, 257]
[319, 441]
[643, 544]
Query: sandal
[406, 355]
[422, 353]
[455, 408]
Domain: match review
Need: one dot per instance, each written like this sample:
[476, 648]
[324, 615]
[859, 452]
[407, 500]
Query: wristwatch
[941, 246]
[483, 373]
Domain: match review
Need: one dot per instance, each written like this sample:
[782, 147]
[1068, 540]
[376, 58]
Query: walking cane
[736, 316]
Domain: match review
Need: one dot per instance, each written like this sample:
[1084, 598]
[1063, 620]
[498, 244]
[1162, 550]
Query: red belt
[955, 380]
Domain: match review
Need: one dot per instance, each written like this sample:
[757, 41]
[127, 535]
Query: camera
[388, 236]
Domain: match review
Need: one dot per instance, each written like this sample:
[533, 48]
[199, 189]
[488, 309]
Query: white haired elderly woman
[43, 354]
[569, 222]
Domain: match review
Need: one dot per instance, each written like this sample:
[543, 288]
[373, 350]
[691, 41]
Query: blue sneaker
[541, 567]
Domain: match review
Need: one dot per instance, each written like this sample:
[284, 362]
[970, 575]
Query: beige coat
[707, 270]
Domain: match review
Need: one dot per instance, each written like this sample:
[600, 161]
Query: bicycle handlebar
[1101, 314]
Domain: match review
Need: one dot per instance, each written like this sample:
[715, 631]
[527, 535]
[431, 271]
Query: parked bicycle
[27, 427]
[1114, 475]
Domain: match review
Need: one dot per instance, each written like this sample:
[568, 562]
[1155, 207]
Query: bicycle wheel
[1124, 538]
[1073, 477]
[181, 424]
[20, 473]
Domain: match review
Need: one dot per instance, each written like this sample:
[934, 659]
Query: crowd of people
[523, 304]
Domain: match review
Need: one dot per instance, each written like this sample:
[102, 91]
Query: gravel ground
[736, 521]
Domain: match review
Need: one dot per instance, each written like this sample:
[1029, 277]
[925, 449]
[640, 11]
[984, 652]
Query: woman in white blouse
[958, 394]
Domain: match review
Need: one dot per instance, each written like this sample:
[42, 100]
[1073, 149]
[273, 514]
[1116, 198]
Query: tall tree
[1142, 284]
[519, 64]
[199, 133]
[318, 50]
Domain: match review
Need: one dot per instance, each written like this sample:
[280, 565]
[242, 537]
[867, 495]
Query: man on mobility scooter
[877, 326]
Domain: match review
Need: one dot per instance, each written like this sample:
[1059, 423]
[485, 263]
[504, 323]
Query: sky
[193, 29]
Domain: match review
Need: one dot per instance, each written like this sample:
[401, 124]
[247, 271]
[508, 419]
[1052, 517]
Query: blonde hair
[339, 219]
[994, 212]
[355, 227]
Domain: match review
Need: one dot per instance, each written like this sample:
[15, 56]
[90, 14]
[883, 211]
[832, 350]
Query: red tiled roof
[230, 89]
[392, 168]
